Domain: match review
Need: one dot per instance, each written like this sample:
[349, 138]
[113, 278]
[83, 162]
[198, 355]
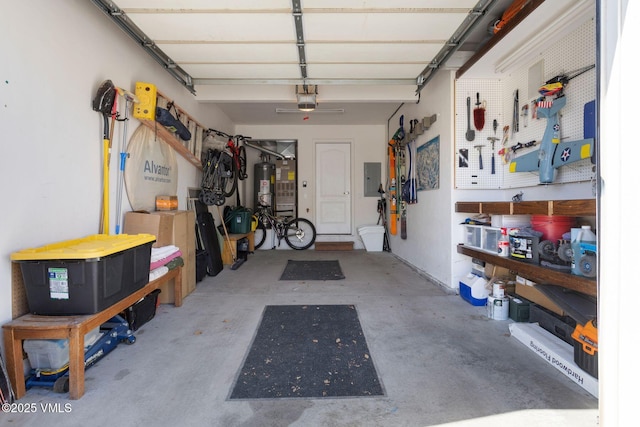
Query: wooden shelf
[190, 150]
[535, 272]
[581, 207]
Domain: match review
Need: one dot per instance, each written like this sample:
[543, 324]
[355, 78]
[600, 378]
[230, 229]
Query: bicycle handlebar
[226, 135]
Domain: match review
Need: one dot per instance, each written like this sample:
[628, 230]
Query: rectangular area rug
[312, 270]
[309, 351]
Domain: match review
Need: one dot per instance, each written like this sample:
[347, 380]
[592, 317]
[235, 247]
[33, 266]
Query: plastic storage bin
[84, 276]
[142, 311]
[54, 354]
[472, 235]
[372, 236]
[481, 237]
[490, 238]
[240, 221]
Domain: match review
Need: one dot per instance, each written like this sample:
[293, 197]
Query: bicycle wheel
[229, 177]
[299, 233]
[229, 185]
[242, 162]
[260, 235]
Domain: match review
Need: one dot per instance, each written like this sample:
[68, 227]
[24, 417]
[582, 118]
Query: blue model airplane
[553, 153]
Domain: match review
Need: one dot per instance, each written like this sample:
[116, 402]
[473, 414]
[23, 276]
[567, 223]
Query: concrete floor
[441, 361]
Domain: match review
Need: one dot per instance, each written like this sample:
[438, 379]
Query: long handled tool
[130, 99]
[103, 102]
[236, 262]
[470, 135]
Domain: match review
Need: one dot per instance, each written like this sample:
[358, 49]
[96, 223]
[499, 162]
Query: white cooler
[372, 236]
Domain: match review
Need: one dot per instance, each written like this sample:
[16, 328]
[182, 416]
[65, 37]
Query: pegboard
[571, 53]
[468, 172]
[19, 304]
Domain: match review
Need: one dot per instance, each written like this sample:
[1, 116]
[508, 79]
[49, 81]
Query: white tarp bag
[151, 170]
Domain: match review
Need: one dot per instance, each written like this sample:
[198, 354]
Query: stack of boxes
[170, 228]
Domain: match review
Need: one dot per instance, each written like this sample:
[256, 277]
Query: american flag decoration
[545, 104]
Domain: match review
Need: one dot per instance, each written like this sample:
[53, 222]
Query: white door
[333, 188]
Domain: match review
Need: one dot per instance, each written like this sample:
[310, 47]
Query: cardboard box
[491, 271]
[534, 295]
[183, 235]
[148, 223]
[171, 228]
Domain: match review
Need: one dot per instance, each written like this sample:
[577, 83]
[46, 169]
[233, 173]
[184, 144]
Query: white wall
[55, 55]
[429, 221]
[617, 295]
[367, 145]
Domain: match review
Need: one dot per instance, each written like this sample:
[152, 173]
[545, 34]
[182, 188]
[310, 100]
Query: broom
[236, 262]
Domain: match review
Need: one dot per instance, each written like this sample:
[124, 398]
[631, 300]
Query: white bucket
[372, 236]
[497, 308]
[498, 289]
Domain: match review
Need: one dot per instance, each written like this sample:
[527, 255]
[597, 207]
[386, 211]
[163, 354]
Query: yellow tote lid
[95, 246]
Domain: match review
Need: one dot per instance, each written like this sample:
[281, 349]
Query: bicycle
[238, 154]
[217, 178]
[299, 233]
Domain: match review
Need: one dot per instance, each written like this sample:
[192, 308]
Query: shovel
[478, 113]
[471, 134]
[103, 103]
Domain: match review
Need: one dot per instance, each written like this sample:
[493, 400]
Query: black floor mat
[312, 270]
[311, 351]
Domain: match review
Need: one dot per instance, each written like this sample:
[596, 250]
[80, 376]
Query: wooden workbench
[73, 328]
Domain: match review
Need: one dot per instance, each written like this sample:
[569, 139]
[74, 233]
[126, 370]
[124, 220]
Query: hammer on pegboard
[493, 140]
[479, 148]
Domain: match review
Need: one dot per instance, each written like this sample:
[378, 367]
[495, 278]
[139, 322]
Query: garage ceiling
[365, 56]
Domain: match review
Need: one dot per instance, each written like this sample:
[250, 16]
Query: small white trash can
[372, 236]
